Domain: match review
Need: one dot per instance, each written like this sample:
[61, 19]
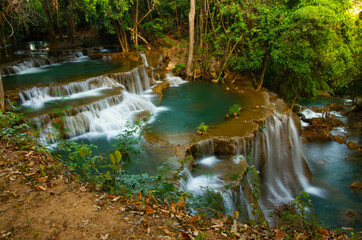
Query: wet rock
[339, 139]
[335, 107]
[356, 186]
[320, 128]
[352, 145]
[347, 217]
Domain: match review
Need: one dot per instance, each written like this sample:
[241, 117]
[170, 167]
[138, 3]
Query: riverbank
[38, 201]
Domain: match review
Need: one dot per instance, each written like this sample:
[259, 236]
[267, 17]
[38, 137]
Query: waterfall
[278, 155]
[174, 81]
[135, 81]
[276, 152]
[206, 148]
[110, 119]
[24, 66]
[107, 116]
[144, 59]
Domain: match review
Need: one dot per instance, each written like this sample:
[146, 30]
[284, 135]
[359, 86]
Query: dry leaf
[40, 188]
[279, 234]
[148, 230]
[173, 209]
[186, 236]
[43, 179]
[149, 210]
[194, 219]
[324, 231]
[217, 221]
[180, 204]
[236, 214]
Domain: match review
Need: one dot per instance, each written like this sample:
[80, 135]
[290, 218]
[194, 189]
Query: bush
[202, 128]
[234, 109]
[13, 131]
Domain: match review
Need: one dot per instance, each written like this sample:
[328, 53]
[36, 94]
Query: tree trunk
[178, 25]
[192, 38]
[136, 26]
[119, 36]
[202, 16]
[2, 100]
[71, 21]
[263, 73]
[49, 26]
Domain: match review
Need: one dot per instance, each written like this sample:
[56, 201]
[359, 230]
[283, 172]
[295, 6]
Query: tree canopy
[290, 46]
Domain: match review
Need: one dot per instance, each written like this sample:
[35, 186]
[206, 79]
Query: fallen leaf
[236, 214]
[149, 210]
[324, 231]
[186, 236]
[180, 204]
[43, 179]
[194, 219]
[103, 237]
[148, 230]
[279, 235]
[217, 221]
[12, 178]
[40, 188]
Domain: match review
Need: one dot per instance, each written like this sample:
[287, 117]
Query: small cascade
[23, 66]
[110, 119]
[144, 59]
[184, 177]
[206, 148]
[40, 94]
[174, 81]
[135, 81]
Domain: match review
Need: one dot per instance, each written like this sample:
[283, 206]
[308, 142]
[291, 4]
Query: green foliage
[209, 204]
[235, 109]
[179, 69]
[78, 158]
[13, 131]
[203, 127]
[300, 214]
[128, 142]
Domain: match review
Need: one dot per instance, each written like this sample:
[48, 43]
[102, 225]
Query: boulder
[339, 139]
[352, 145]
[356, 186]
[347, 217]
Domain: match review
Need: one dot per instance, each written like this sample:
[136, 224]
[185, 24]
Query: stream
[105, 94]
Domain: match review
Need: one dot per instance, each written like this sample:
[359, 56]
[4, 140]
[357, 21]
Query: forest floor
[39, 201]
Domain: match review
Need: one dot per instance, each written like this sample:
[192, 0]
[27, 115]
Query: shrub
[234, 109]
[202, 128]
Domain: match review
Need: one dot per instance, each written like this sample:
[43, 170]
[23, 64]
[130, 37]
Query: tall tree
[192, 39]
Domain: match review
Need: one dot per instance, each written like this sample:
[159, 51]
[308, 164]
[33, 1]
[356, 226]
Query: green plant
[128, 142]
[300, 214]
[202, 128]
[13, 131]
[179, 69]
[234, 110]
[78, 158]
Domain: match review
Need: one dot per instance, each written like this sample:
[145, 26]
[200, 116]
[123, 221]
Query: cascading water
[106, 116]
[276, 153]
[21, 67]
